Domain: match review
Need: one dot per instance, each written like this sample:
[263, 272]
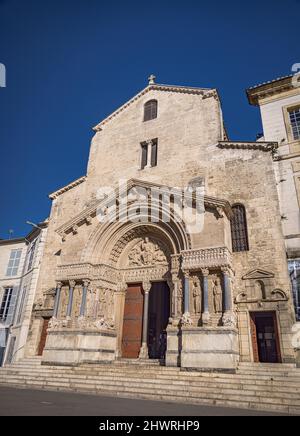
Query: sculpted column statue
[196, 294]
[71, 294]
[57, 299]
[205, 314]
[229, 318]
[144, 348]
[186, 318]
[217, 294]
[84, 297]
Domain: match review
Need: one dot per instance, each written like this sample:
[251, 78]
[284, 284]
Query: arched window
[239, 233]
[150, 110]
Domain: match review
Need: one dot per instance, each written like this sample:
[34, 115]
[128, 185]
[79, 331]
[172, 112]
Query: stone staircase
[267, 387]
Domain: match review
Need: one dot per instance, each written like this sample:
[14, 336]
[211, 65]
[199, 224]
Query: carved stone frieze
[206, 258]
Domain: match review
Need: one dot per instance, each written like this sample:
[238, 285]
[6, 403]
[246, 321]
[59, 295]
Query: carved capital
[75, 230]
[205, 272]
[86, 283]
[186, 274]
[122, 287]
[147, 286]
[72, 284]
[58, 285]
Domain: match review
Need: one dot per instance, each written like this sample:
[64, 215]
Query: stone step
[267, 365]
[242, 390]
[250, 398]
[184, 376]
[263, 389]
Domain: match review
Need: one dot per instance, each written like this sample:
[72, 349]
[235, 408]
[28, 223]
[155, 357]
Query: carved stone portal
[146, 253]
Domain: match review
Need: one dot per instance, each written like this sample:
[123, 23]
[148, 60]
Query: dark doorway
[133, 322]
[43, 336]
[265, 339]
[159, 313]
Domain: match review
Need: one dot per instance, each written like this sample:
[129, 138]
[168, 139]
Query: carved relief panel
[64, 298]
[146, 253]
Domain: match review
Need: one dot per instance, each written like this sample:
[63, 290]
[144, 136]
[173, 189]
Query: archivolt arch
[109, 239]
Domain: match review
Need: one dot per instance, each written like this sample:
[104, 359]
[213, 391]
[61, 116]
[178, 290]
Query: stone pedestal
[173, 346]
[210, 348]
[70, 346]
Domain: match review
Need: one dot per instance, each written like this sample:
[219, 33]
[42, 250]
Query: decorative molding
[257, 274]
[221, 206]
[71, 185]
[241, 145]
[206, 258]
[267, 89]
[204, 92]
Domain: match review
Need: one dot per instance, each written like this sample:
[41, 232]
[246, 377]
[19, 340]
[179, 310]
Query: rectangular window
[31, 255]
[295, 122]
[294, 270]
[149, 153]
[144, 146]
[5, 303]
[21, 307]
[14, 262]
[154, 153]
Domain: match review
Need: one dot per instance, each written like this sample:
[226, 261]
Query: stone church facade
[152, 289]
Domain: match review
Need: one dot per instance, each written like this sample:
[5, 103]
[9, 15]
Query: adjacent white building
[279, 103]
[19, 268]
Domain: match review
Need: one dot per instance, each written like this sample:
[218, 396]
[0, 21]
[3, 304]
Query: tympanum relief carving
[146, 253]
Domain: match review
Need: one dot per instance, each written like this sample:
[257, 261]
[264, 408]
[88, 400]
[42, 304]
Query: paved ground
[23, 402]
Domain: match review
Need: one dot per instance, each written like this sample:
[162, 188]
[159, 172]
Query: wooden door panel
[254, 338]
[43, 336]
[133, 322]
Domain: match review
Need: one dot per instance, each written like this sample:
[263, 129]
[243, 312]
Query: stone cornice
[267, 89]
[204, 92]
[243, 145]
[70, 186]
[221, 206]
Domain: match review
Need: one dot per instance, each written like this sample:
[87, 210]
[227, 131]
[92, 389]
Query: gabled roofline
[70, 186]
[205, 92]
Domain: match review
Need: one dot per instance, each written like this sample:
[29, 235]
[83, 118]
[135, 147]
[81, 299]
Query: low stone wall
[72, 347]
[209, 348]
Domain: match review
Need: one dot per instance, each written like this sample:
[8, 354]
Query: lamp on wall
[33, 225]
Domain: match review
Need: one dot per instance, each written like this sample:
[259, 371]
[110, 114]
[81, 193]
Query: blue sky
[71, 62]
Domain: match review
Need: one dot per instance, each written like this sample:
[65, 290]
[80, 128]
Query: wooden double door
[265, 339]
[158, 316]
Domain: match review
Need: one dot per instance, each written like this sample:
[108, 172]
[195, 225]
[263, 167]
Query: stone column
[205, 314]
[144, 348]
[149, 152]
[71, 294]
[120, 296]
[186, 292]
[84, 297]
[229, 318]
[57, 299]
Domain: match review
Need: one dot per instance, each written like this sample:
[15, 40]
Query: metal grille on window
[239, 232]
[150, 110]
[295, 122]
